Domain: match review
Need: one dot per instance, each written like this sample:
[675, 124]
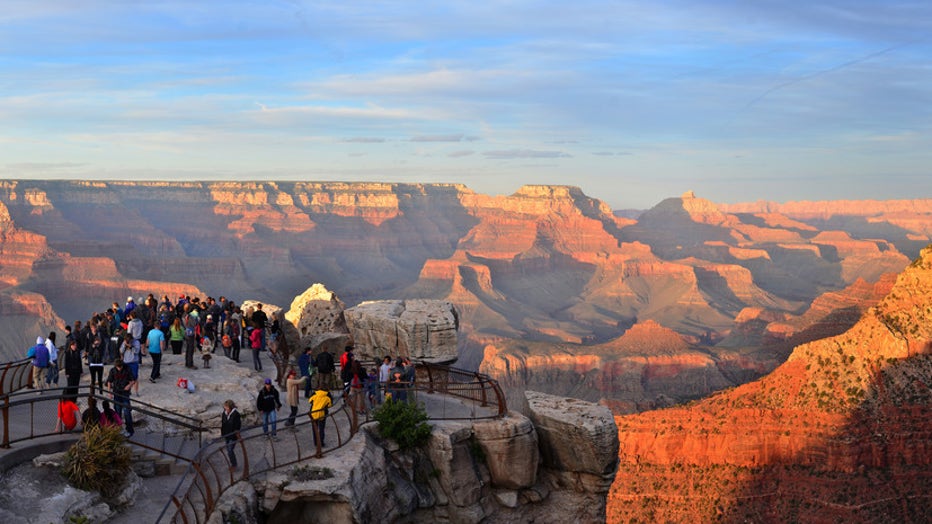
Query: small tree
[404, 423]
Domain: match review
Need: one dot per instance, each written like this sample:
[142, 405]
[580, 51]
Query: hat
[129, 299]
[268, 381]
[40, 340]
[209, 317]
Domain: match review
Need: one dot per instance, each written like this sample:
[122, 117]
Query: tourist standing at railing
[325, 369]
[320, 403]
[120, 381]
[155, 344]
[51, 377]
[40, 361]
[268, 402]
[229, 428]
[95, 364]
[73, 367]
[385, 375]
[305, 363]
[293, 385]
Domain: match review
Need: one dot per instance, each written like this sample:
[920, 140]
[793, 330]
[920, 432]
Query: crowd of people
[120, 337]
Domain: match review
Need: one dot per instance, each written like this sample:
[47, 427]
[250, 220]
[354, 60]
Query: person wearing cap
[268, 402]
[130, 305]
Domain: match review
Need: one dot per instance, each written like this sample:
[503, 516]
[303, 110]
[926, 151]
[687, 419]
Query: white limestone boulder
[421, 329]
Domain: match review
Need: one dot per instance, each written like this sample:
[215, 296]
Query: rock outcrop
[421, 329]
[318, 311]
[469, 472]
[839, 432]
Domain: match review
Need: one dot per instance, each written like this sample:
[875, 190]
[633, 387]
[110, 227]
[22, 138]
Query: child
[372, 388]
[207, 347]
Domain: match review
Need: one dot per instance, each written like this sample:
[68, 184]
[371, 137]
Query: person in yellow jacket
[320, 403]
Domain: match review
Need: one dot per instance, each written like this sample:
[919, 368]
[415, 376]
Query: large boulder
[575, 435]
[317, 311]
[510, 448]
[421, 329]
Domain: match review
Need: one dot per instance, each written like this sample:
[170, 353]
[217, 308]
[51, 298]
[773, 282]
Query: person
[207, 349]
[255, 342]
[385, 375]
[176, 336]
[325, 369]
[372, 388]
[320, 403]
[91, 415]
[346, 370]
[120, 382]
[68, 413]
[51, 376]
[73, 367]
[259, 321]
[226, 341]
[108, 417]
[305, 361]
[268, 403]
[95, 364]
[293, 384]
[40, 361]
[356, 384]
[135, 326]
[190, 337]
[408, 376]
[229, 428]
[155, 343]
[397, 387]
[129, 354]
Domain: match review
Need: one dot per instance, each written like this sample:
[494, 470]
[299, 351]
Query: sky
[632, 101]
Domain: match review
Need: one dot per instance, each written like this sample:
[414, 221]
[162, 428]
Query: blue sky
[634, 101]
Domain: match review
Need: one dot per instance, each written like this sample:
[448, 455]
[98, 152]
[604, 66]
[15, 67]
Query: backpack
[226, 341]
[325, 362]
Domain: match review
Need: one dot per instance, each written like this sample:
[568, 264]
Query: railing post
[6, 422]
[430, 379]
[485, 401]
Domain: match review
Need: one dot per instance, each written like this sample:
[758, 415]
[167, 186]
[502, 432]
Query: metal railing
[15, 376]
[210, 474]
[32, 414]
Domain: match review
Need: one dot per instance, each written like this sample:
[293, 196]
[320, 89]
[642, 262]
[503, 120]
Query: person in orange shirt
[68, 414]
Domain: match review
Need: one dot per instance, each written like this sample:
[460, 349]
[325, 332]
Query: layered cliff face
[839, 432]
[547, 265]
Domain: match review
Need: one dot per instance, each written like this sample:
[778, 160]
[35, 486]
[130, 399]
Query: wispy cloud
[524, 153]
[461, 153]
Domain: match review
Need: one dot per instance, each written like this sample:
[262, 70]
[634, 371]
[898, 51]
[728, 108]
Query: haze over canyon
[555, 291]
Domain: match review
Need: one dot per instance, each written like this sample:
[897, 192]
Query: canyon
[552, 289]
[763, 361]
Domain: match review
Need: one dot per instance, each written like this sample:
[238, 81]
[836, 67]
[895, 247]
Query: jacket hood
[40, 340]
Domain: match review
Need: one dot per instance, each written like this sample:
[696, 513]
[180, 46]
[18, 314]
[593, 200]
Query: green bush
[404, 423]
[98, 461]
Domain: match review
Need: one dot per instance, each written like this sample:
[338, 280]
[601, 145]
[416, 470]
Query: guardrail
[15, 376]
[32, 414]
[210, 474]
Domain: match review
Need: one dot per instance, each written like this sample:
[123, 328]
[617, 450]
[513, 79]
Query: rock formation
[470, 471]
[546, 265]
[839, 432]
[316, 312]
[420, 329]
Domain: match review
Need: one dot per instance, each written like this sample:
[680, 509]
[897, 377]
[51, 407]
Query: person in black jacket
[73, 366]
[229, 428]
[268, 403]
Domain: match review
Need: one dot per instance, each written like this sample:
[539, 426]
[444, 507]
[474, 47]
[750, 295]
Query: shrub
[98, 461]
[404, 423]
